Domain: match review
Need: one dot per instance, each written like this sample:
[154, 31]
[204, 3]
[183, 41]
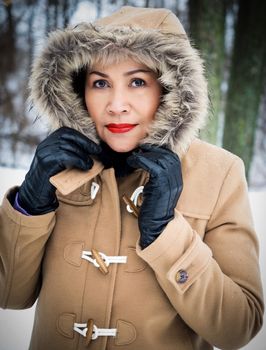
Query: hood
[156, 33]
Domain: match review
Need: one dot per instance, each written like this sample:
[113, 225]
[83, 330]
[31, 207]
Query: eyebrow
[126, 74]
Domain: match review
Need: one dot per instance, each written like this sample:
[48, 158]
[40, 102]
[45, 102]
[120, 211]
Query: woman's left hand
[161, 193]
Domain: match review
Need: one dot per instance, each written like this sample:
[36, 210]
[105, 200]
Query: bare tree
[247, 78]
[207, 29]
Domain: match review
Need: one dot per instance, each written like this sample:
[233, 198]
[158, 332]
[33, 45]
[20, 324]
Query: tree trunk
[246, 80]
[99, 8]
[207, 29]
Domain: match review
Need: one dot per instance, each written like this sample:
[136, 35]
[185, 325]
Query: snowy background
[15, 326]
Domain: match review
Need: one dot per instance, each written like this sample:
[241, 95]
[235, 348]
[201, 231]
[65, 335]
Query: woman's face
[122, 100]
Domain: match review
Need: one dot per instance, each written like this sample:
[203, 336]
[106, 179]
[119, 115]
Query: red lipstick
[120, 128]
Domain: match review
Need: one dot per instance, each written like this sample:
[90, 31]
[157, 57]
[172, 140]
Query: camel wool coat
[198, 284]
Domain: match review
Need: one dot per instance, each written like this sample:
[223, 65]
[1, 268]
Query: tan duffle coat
[198, 284]
[211, 238]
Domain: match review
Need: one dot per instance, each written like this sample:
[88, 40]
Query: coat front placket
[99, 288]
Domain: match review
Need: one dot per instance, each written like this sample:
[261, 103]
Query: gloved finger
[164, 155]
[47, 148]
[155, 148]
[72, 161]
[78, 138]
[140, 161]
[163, 162]
[74, 150]
[176, 187]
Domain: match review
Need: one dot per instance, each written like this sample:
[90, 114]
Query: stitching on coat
[163, 19]
[88, 266]
[132, 327]
[234, 162]
[58, 326]
[143, 262]
[12, 264]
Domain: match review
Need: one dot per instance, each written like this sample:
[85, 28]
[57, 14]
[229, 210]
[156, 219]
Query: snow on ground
[15, 326]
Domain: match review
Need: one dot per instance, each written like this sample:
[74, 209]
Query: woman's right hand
[64, 148]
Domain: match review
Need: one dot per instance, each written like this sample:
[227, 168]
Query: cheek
[149, 110]
[152, 102]
[87, 97]
[91, 105]
[91, 100]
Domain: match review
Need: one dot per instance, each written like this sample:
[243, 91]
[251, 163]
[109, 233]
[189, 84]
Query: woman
[173, 268]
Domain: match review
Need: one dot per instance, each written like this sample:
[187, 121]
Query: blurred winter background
[231, 37]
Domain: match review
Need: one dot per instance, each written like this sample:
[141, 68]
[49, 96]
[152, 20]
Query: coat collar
[69, 180]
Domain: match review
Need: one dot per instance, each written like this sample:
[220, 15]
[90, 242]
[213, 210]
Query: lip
[120, 128]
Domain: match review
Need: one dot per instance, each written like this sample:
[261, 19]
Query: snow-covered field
[15, 326]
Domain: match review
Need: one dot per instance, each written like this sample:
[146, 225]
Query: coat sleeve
[22, 245]
[214, 283]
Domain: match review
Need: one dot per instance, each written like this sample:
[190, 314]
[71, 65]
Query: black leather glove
[161, 193]
[64, 148]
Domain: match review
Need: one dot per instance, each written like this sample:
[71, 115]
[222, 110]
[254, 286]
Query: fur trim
[183, 109]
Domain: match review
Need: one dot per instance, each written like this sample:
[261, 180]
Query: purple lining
[17, 206]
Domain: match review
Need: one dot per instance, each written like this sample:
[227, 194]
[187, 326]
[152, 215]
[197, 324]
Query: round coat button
[181, 276]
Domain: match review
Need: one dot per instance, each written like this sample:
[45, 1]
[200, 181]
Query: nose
[118, 103]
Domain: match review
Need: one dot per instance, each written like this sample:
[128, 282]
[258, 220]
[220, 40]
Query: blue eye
[138, 82]
[100, 84]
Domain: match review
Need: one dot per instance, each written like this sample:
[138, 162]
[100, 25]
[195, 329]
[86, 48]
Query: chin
[122, 148]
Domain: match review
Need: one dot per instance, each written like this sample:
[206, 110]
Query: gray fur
[183, 109]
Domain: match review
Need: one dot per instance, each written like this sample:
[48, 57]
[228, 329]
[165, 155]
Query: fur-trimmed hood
[156, 33]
